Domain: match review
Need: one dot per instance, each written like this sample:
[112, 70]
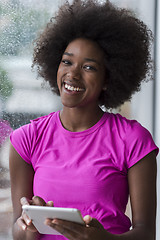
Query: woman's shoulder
[128, 129]
[43, 119]
[134, 141]
[116, 120]
[35, 125]
[25, 138]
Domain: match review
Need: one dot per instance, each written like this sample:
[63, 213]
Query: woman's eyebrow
[68, 54]
[91, 60]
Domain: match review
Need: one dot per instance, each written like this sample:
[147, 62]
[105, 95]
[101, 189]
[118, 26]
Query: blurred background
[23, 97]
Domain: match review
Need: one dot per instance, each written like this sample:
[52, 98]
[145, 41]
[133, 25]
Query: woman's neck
[77, 119]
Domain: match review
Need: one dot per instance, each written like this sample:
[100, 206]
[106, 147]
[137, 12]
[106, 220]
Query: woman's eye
[91, 68]
[66, 62]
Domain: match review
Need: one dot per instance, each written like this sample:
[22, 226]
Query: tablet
[38, 214]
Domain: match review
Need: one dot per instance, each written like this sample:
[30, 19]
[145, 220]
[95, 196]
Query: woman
[93, 55]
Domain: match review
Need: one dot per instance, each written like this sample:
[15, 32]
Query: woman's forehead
[84, 47]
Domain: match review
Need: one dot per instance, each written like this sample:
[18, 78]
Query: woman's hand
[92, 230]
[24, 222]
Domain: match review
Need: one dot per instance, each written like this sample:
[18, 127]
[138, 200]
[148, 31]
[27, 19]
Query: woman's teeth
[71, 88]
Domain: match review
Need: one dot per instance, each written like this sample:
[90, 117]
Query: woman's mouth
[73, 88]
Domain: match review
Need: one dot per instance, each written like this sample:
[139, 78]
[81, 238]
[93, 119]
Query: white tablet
[38, 214]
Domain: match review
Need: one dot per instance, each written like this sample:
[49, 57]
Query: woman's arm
[21, 176]
[142, 188]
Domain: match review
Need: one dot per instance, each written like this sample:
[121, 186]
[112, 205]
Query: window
[21, 96]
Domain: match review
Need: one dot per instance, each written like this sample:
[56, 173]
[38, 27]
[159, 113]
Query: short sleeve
[138, 142]
[23, 140]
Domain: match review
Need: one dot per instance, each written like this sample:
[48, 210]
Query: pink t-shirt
[85, 170]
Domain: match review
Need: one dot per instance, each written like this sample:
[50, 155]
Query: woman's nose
[74, 72]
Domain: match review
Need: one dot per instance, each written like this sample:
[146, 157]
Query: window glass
[22, 96]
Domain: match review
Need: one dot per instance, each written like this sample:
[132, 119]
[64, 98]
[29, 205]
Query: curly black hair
[124, 39]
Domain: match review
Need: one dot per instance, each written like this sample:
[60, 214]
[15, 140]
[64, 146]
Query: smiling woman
[82, 67]
[80, 156]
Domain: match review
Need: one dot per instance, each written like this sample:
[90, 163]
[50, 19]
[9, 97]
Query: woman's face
[81, 74]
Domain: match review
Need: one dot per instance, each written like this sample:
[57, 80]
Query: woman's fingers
[69, 229]
[26, 225]
[26, 219]
[24, 222]
[38, 201]
[92, 222]
[87, 219]
[25, 201]
[66, 228]
[73, 231]
[21, 223]
[50, 204]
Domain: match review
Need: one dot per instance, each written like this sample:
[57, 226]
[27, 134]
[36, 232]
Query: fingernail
[22, 199]
[50, 203]
[55, 221]
[28, 222]
[24, 227]
[46, 222]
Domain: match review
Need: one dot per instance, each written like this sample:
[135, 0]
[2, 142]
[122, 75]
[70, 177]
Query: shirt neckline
[81, 133]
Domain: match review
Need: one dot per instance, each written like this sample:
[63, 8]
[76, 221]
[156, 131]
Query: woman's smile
[73, 88]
